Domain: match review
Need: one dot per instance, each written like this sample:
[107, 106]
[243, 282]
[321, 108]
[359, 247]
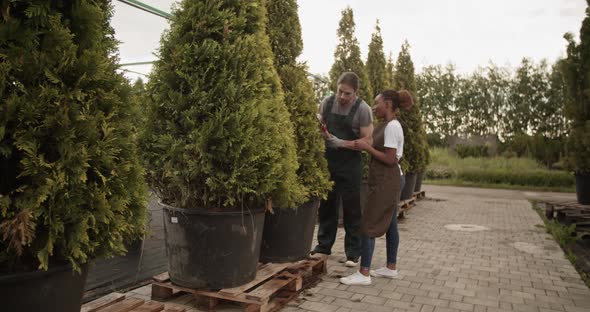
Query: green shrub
[471, 150]
[218, 134]
[71, 187]
[495, 170]
[436, 140]
[529, 178]
[439, 173]
[548, 151]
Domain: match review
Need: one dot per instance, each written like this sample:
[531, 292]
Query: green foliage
[321, 87]
[533, 178]
[565, 235]
[347, 56]
[577, 107]
[284, 31]
[437, 90]
[71, 188]
[376, 63]
[218, 134]
[471, 150]
[389, 70]
[496, 171]
[494, 101]
[299, 96]
[544, 149]
[435, 140]
[416, 156]
[578, 148]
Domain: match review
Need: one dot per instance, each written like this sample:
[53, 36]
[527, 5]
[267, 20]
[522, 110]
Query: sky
[467, 33]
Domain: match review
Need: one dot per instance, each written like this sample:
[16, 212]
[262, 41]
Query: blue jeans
[391, 240]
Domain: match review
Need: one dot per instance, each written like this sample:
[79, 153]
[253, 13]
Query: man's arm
[367, 134]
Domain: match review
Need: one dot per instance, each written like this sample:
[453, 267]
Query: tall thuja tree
[284, 31]
[416, 155]
[71, 187]
[218, 134]
[577, 106]
[389, 69]
[376, 63]
[347, 56]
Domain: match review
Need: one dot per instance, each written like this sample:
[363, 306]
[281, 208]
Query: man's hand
[334, 142]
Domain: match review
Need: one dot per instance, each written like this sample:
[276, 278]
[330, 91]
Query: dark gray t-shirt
[362, 118]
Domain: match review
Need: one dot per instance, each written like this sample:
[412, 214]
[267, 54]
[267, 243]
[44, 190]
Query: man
[347, 118]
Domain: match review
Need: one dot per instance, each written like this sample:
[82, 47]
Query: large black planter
[419, 178]
[583, 188]
[57, 289]
[288, 233]
[212, 250]
[408, 189]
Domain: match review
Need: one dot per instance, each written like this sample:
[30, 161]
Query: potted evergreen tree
[72, 188]
[288, 233]
[218, 145]
[577, 108]
[411, 120]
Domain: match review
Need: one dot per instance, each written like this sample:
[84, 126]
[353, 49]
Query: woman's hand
[361, 145]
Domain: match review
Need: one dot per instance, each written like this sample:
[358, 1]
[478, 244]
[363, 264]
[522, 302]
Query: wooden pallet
[116, 302]
[419, 195]
[405, 205]
[273, 287]
[568, 213]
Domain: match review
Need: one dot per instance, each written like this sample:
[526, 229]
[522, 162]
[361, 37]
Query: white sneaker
[351, 263]
[384, 272]
[356, 279]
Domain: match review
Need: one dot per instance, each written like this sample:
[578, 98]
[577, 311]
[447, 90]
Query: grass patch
[495, 172]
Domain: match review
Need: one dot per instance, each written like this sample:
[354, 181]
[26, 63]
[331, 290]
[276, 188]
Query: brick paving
[513, 265]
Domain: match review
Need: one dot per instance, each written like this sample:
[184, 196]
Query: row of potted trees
[229, 136]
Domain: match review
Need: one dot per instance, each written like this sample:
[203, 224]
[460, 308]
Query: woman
[385, 183]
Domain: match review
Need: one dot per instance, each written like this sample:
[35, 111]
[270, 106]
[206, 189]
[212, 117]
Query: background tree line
[522, 108]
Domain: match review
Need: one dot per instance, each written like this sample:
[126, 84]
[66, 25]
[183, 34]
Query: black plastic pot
[408, 189]
[583, 188]
[212, 250]
[419, 178]
[57, 289]
[288, 233]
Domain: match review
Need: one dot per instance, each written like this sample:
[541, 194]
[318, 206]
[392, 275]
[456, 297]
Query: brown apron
[384, 190]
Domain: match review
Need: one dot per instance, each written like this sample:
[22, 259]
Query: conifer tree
[376, 63]
[577, 107]
[218, 134]
[284, 31]
[71, 187]
[389, 70]
[416, 157]
[347, 56]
